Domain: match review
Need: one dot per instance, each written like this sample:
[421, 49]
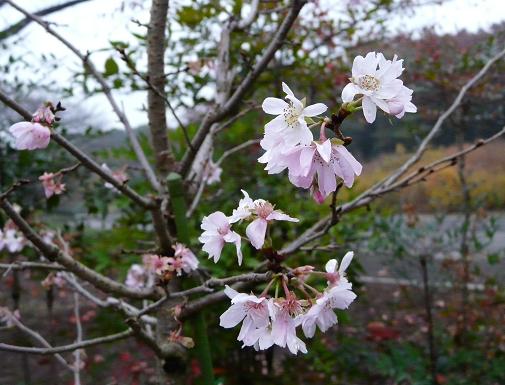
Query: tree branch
[156, 77]
[66, 348]
[105, 88]
[214, 116]
[15, 28]
[455, 104]
[54, 254]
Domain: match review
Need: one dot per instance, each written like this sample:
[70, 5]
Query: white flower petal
[369, 109]
[274, 106]
[315, 109]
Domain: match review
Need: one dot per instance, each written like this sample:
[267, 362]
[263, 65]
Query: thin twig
[66, 348]
[455, 104]
[106, 90]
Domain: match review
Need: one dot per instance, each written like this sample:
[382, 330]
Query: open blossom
[252, 311]
[261, 212]
[284, 322]
[290, 122]
[376, 79]
[30, 136]
[136, 276]
[52, 184]
[217, 231]
[401, 103]
[325, 161]
[183, 260]
[338, 295]
[11, 240]
[156, 263]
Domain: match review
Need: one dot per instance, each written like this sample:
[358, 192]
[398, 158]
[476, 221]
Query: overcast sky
[92, 24]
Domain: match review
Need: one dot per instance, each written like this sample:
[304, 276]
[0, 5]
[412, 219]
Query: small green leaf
[493, 259]
[111, 67]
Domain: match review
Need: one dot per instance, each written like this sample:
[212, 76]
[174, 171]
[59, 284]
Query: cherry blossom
[136, 276]
[12, 240]
[290, 122]
[217, 231]
[401, 103]
[337, 274]
[376, 79]
[261, 212]
[322, 314]
[30, 136]
[285, 319]
[325, 161]
[183, 260]
[252, 311]
[52, 184]
[156, 263]
[338, 295]
[44, 115]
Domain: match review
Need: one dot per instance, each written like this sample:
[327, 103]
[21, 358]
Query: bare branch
[66, 348]
[30, 266]
[235, 149]
[54, 254]
[208, 286]
[321, 227]
[86, 161]
[105, 88]
[32, 333]
[157, 91]
[455, 104]
[77, 352]
[17, 27]
[214, 116]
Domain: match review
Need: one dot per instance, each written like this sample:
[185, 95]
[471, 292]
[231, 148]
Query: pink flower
[217, 231]
[44, 115]
[262, 212]
[335, 276]
[401, 103]
[285, 319]
[338, 295]
[136, 277]
[183, 260]
[156, 263]
[30, 136]
[326, 161]
[250, 310]
[52, 184]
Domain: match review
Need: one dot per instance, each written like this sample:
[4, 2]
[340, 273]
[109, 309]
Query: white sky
[93, 24]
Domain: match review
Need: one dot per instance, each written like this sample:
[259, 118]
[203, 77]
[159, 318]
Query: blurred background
[429, 260]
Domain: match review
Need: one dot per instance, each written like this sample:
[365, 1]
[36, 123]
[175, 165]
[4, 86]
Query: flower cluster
[35, 134]
[217, 226]
[289, 144]
[376, 79]
[267, 321]
[52, 184]
[183, 261]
